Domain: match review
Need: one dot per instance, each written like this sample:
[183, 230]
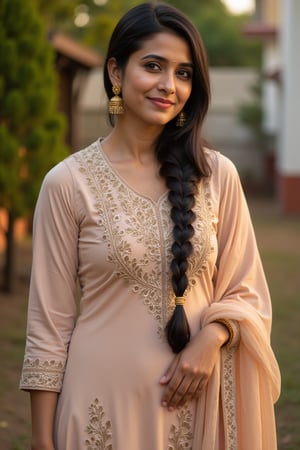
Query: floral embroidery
[203, 225]
[46, 374]
[134, 227]
[180, 437]
[228, 397]
[99, 430]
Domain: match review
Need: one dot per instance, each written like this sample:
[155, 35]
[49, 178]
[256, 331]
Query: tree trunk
[8, 270]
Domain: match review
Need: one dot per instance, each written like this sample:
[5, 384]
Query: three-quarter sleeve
[52, 295]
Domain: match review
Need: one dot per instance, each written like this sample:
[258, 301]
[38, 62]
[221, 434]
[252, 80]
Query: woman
[171, 346]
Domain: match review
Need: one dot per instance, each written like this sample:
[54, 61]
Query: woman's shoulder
[220, 164]
[224, 176]
[66, 170]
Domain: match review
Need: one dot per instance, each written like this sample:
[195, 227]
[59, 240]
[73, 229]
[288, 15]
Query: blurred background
[52, 103]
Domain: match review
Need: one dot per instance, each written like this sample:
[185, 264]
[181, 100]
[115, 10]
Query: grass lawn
[279, 242]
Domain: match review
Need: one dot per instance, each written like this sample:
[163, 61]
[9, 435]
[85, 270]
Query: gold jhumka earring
[115, 105]
[181, 119]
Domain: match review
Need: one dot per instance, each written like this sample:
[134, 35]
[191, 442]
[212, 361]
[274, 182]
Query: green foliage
[102, 20]
[221, 31]
[192, 7]
[223, 37]
[103, 23]
[31, 129]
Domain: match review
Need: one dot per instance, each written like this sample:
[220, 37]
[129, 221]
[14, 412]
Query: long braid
[180, 151]
[182, 183]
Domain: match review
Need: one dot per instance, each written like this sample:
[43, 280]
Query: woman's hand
[190, 370]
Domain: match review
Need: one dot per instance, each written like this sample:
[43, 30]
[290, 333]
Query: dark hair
[179, 150]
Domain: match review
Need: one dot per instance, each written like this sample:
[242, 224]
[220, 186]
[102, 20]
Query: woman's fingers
[185, 393]
[170, 371]
[171, 389]
[199, 388]
[174, 396]
[185, 385]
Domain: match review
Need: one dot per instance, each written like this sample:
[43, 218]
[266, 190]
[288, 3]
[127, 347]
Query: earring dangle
[115, 105]
[181, 119]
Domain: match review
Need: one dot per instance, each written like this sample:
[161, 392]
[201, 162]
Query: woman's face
[157, 80]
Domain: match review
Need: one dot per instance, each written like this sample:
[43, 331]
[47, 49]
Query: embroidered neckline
[157, 202]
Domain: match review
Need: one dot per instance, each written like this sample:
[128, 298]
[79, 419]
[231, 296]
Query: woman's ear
[114, 72]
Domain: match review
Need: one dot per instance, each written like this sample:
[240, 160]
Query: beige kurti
[92, 226]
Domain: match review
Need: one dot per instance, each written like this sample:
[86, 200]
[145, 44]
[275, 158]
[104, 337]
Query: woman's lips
[161, 102]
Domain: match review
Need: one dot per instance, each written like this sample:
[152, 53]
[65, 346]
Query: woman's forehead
[168, 45]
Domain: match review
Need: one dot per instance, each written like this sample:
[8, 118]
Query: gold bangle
[179, 301]
[229, 327]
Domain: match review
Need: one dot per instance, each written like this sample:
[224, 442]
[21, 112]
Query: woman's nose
[167, 83]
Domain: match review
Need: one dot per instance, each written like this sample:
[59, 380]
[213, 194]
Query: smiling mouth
[161, 102]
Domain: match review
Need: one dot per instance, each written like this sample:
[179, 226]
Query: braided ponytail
[182, 183]
[180, 151]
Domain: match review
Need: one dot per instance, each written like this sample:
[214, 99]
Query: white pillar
[289, 149]
[270, 92]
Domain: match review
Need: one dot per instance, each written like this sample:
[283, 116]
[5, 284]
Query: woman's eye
[153, 66]
[183, 73]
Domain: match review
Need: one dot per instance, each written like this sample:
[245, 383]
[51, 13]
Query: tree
[31, 129]
[103, 21]
[103, 16]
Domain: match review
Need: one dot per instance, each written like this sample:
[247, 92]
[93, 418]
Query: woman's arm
[52, 308]
[190, 370]
[43, 406]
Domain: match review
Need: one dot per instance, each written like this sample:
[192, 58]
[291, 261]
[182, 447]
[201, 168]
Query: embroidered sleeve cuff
[44, 375]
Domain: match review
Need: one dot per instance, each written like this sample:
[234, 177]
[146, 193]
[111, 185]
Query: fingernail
[163, 379]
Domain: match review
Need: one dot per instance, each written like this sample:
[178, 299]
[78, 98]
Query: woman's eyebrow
[163, 59]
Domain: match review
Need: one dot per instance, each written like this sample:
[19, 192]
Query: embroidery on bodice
[138, 233]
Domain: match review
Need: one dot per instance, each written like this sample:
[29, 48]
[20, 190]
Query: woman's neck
[131, 144]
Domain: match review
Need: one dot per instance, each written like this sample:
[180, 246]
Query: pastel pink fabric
[104, 350]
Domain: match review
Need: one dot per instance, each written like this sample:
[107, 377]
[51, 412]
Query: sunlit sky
[239, 6]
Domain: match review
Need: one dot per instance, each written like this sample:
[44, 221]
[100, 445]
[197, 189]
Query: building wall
[92, 110]
[231, 87]
[289, 154]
